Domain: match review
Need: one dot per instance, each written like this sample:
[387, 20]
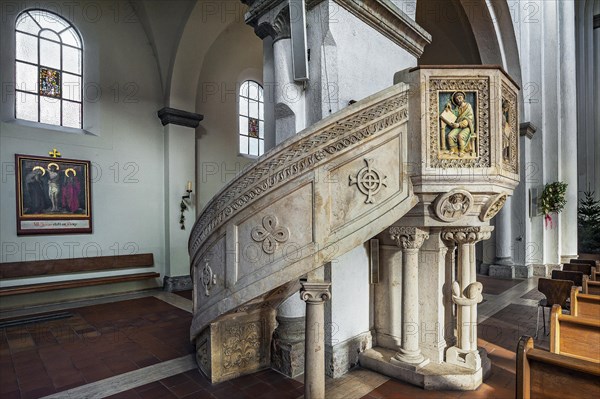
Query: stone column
[567, 171]
[315, 294]
[466, 294]
[287, 350]
[409, 239]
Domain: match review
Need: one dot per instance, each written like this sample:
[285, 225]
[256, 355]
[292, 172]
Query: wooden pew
[590, 287]
[585, 268]
[541, 374]
[577, 337]
[585, 305]
[595, 274]
[584, 261]
[575, 277]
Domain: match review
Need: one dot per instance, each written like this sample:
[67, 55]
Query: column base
[544, 270]
[287, 349]
[433, 376]
[459, 357]
[510, 271]
[409, 362]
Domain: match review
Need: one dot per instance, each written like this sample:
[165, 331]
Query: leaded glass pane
[71, 38]
[244, 89]
[71, 114]
[243, 125]
[253, 91]
[50, 110]
[253, 150]
[48, 34]
[253, 109]
[27, 77]
[49, 82]
[261, 111]
[26, 47]
[261, 147]
[243, 106]
[71, 87]
[49, 54]
[26, 106]
[253, 127]
[48, 20]
[72, 60]
[26, 24]
[243, 144]
[261, 129]
[260, 93]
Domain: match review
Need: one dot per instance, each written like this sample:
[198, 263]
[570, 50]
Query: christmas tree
[588, 221]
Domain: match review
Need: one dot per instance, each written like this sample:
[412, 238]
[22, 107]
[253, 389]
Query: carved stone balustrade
[316, 196]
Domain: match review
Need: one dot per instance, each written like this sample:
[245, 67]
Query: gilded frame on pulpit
[53, 195]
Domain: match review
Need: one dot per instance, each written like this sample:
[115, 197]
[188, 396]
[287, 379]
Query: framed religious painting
[53, 195]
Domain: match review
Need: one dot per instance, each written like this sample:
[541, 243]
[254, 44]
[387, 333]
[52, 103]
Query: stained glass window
[48, 70]
[251, 119]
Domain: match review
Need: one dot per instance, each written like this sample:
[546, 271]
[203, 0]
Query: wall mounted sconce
[183, 206]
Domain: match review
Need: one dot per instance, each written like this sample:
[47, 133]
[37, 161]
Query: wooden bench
[585, 268]
[590, 262]
[574, 336]
[590, 286]
[575, 277]
[595, 274]
[541, 374]
[15, 270]
[585, 305]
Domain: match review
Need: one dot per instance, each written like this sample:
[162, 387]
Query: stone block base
[342, 357]
[483, 268]
[433, 376]
[288, 357]
[236, 345]
[502, 271]
[511, 271]
[177, 283]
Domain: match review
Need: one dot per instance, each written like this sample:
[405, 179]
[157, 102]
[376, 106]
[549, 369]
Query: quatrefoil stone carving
[270, 234]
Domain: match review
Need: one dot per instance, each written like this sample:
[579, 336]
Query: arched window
[48, 70]
[252, 119]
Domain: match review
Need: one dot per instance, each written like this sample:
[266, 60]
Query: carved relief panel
[510, 129]
[459, 122]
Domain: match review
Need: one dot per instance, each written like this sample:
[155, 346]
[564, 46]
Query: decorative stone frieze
[467, 235]
[453, 205]
[492, 207]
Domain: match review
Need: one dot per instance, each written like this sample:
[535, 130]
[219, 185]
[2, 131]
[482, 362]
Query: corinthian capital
[408, 237]
[467, 235]
[313, 292]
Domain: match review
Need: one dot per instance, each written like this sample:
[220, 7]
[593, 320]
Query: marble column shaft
[410, 239]
[466, 291]
[315, 294]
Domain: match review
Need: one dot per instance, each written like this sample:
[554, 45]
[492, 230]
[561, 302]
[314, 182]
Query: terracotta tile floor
[102, 341]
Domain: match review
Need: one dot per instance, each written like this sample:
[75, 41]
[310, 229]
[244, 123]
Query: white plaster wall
[235, 56]
[124, 142]
[350, 295]
[366, 60]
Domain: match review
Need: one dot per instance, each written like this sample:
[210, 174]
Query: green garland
[553, 199]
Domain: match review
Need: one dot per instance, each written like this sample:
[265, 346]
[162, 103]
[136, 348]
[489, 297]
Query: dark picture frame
[53, 195]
